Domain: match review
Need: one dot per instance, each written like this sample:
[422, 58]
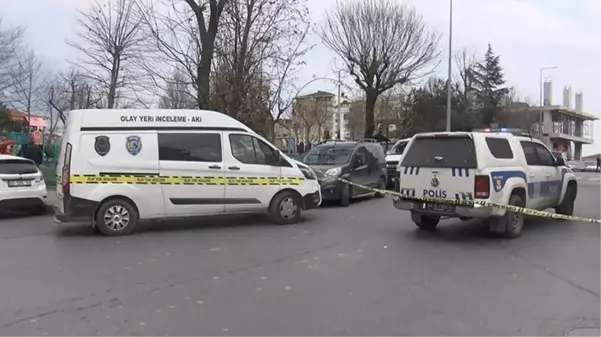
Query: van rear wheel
[285, 208]
[116, 217]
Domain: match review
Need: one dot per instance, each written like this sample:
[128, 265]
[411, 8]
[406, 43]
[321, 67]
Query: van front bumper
[477, 211]
[311, 200]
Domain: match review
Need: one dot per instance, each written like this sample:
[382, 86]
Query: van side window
[499, 148]
[250, 150]
[195, 147]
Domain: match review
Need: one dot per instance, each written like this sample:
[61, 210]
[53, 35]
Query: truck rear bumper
[477, 211]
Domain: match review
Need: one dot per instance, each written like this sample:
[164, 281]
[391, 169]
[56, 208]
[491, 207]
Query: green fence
[49, 172]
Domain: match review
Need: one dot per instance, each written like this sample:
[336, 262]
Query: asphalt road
[362, 270]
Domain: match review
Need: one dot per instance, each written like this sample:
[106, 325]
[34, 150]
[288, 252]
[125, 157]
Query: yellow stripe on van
[182, 180]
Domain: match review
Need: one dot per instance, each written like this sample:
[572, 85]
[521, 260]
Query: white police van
[493, 165]
[118, 167]
[392, 159]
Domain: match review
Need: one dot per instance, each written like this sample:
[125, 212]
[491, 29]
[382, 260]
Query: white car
[22, 185]
[392, 159]
[495, 166]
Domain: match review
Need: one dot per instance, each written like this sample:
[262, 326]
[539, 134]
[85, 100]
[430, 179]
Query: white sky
[528, 34]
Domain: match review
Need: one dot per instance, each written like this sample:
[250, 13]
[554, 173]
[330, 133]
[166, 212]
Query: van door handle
[547, 175]
[236, 168]
[215, 167]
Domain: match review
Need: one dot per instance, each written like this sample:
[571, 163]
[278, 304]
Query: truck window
[448, 152]
[499, 148]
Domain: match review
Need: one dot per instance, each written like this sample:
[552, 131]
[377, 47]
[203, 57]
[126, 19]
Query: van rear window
[17, 166]
[457, 152]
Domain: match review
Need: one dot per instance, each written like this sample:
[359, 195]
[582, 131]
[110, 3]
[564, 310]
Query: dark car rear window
[17, 166]
[458, 152]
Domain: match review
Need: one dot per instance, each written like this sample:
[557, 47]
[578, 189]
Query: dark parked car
[361, 162]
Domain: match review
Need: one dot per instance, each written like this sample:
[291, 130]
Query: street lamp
[540, 115]
[450, 53]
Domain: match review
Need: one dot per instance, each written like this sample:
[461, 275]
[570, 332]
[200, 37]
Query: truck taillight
[66, 174]
[482, 187]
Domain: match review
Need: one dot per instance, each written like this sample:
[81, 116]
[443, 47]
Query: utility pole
[339, 111]
[449, 86]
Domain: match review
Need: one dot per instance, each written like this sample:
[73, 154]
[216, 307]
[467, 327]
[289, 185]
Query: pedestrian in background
[32, 152]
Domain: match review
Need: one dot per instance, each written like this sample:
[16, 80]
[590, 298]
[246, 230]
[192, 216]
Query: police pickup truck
[493, 166]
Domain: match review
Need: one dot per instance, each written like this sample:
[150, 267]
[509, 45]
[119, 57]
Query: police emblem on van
[434, 182]
[102, 145]
[133, 144]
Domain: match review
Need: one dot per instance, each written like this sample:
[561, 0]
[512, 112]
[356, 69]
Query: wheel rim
[516, 221]
[116, 218]
[288, 208]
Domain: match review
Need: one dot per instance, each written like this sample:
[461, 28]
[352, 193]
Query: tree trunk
[370, 105]
[114, 78]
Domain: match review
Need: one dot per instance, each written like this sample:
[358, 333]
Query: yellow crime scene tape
[471, 203]
[180, 180]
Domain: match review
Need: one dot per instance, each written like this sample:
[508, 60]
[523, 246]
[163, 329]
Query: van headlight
[308, 173]
[334, 172]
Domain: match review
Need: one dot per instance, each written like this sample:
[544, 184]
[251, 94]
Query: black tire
[38, 210]
[427, 223]
[567, 205]
[125, 218]
[381, 186]
[285, 208]
[345, 197]
[513, 222]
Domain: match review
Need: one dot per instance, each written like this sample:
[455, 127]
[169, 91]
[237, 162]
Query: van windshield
[449, 152]
[328, 155]
[398, 148]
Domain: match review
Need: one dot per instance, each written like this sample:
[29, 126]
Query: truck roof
[153, 118]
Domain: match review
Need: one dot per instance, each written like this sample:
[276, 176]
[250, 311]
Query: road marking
[594, 179]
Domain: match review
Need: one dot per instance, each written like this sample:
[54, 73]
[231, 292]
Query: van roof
[153, 118]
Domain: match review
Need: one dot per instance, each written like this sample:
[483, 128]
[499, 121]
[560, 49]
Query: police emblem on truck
[435, 182]
[102, 145]
[133, 144]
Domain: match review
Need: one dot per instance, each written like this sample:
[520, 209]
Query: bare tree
[71, 90]
[28, 80]
[110, 39]
[310, 118]
[464, 62]
[382, 43]
[10, 43]
[177, 94]
[261, 39]
[182, 35]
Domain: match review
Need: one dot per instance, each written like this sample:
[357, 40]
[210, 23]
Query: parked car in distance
[361, 162]
[586, 166]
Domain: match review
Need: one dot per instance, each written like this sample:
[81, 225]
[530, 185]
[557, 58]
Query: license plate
[19, 183]
[439, 207]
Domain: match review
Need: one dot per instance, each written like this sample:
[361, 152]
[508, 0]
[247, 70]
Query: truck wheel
[285, 208]
[381, 186]
[345, 198]
[567, 205]
[513, 222]
[117, 217]
[426, 222]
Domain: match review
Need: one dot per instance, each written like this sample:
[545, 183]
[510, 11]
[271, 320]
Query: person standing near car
[32, 152]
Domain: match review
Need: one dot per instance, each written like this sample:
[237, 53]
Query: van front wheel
[116, 217]
[285, 208]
